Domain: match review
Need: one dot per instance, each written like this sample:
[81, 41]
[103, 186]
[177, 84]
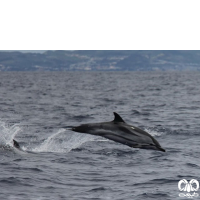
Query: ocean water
[59, 164]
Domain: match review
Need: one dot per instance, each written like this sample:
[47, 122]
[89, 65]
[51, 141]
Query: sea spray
[153, 132]
[8, 133]
[59, 142]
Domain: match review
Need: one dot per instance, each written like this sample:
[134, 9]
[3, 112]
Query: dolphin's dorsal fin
[118, 118]
[16, 144]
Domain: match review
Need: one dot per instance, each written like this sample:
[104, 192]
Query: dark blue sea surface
[60, 164]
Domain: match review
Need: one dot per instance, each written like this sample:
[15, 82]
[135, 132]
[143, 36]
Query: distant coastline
[100, 60]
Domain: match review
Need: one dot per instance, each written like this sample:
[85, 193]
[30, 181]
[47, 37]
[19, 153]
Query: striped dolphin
[119, 131]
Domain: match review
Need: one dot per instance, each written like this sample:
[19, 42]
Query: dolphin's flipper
[118, 118]
[68, 127]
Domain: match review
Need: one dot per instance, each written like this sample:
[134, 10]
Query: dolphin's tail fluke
[16, 144]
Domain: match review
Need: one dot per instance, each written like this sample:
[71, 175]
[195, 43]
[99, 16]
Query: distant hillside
[99, 60]
[24, 51]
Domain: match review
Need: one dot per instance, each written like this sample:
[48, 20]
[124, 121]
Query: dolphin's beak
[161, 149]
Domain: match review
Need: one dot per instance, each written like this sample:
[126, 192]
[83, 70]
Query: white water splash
[57, 142]
[153, 132]
[8, 133]
[63, 142]
[48, 144]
